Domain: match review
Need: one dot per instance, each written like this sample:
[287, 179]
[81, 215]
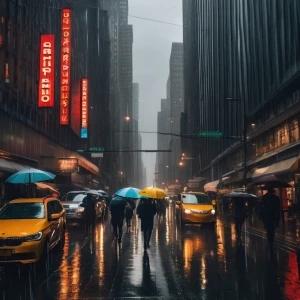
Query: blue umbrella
[30, 175]
[129, 192]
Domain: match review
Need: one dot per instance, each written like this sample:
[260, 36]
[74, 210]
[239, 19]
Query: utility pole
[245, 146]
[245, 122]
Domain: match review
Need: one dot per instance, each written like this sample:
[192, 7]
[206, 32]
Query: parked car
[195, 207]
[73, 205]
[30, 228]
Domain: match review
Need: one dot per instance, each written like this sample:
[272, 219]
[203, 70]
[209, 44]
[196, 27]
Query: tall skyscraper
[135, 101]
[241, 75]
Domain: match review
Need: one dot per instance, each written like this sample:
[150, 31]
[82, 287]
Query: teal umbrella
[30, 175]
[129, 192]
[117, 200]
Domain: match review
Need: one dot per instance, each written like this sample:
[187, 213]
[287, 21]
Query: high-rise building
[168, 121]
[234, 64]
[123, 112]
[163, 141]
[176, 108]
[36, 137]
[135, 101]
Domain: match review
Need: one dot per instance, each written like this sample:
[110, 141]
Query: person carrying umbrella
[130, 206]
[89, 203]
[146, 211]
[239, 213]
[117, 211]
[270, 215]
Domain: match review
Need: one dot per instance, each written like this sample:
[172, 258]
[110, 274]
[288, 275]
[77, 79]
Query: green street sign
[210, 134]
[79, 151]
[96, 149]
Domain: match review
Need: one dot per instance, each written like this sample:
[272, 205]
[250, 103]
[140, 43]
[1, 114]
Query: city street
[195, 262]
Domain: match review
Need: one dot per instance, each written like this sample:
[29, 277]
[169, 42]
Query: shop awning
[259, 172]
[282, 167]
[211, 186]
[45, 186]
[10, 166]
[195, 181]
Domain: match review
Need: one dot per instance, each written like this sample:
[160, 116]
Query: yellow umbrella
[152, 192]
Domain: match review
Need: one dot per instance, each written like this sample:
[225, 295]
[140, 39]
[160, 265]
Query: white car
[72, 204]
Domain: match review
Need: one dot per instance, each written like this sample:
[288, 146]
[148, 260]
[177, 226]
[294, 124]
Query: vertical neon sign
[84, 108]
[46, 82]
[65, 60]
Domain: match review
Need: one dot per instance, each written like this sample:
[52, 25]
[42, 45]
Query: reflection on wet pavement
[190, 262]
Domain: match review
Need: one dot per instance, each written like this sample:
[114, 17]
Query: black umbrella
[270, 180]
[240, 195]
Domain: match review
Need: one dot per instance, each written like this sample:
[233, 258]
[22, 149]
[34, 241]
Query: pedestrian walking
[239, 213]
[89, 203]
[146, 211]
[161, 208]
[129, 214]
[270, 216]
[117, 211]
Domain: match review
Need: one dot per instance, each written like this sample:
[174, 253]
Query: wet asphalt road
[196, 262]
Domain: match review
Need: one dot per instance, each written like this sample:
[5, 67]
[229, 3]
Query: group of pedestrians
[124, 209]
[269, 215]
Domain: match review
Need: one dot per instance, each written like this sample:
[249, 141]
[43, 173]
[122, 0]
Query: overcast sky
[152, 43]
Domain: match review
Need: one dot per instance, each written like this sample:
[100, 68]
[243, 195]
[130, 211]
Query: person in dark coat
[89, 203]
[146, 211]
[117, 211]
[239, 212]
[129, 214]
[270, 215]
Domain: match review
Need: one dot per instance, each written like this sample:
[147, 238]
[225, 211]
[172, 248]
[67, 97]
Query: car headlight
[187, 211]
[80, 209]
[213, 211]
[33, 237]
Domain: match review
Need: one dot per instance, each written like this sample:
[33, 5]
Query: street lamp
[167, 175]
[244, 137]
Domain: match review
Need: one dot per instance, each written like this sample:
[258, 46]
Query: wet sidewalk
[287, 234]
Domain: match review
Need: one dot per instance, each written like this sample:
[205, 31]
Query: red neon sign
[46, 83]
[84, 107]
[65, 66]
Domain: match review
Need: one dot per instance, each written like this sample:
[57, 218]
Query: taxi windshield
[195, 199]
[23, 211]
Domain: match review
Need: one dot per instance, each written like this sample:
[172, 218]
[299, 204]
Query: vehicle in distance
[195, 207]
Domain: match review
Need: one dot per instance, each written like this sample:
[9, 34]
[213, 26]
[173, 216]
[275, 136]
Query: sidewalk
[288, 230]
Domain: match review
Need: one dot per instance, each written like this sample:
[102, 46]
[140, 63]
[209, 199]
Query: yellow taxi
[195, 207]
[30, 228]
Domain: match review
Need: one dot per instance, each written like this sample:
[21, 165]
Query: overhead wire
[132, 16]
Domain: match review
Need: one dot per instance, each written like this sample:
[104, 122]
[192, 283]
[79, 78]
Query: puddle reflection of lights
[101, 254]
[187, 255]
[64, 286]
[167, 229]
[203, 273]
[221, 252]
[233, 235]
[70, 277]
[76, 270]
